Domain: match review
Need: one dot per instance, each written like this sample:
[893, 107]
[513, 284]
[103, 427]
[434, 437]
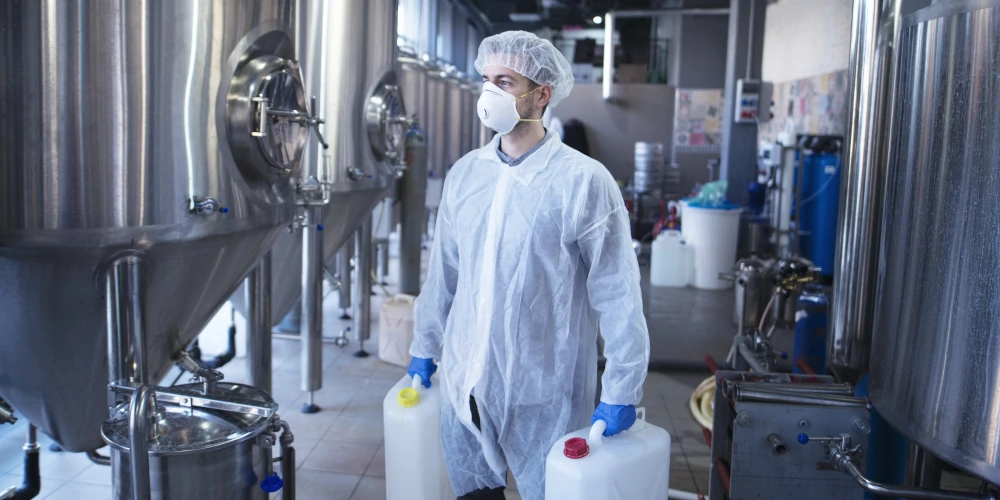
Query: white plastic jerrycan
[414, 459]
[670, 260]
[633, 465]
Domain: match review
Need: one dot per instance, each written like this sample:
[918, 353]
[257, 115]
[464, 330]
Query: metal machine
[769, 435]
[203, 441]
[351, 46]
[149, 153]
[135, 197]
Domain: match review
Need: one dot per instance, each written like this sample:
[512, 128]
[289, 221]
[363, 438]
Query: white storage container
[633, 465]
[414, 458]
[670, 260]
[712, 234]
[395, 330]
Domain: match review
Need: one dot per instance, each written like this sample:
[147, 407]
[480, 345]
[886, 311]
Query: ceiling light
[598, 19]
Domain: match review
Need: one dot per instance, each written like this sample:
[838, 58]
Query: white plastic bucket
[414, 459]
[670, 261]
[712, 234]
[634, 464]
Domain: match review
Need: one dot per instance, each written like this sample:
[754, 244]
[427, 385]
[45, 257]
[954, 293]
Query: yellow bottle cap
[408, 398]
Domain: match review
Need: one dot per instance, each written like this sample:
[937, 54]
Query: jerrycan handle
[595, 440]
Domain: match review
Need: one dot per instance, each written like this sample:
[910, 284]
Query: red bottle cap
[576, 448]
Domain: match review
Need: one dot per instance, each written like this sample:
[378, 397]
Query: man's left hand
[618, 417]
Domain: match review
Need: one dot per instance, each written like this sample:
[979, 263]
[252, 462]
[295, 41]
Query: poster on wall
[698, 121]
[814, 105]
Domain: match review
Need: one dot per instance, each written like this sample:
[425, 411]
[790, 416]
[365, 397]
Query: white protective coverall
[528, 263]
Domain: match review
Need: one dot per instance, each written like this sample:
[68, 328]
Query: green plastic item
[712, 194]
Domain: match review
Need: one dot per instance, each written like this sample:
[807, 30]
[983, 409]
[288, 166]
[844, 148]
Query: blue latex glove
[618, 417]
[425, 367]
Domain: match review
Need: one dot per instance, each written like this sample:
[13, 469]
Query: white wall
[804, 38]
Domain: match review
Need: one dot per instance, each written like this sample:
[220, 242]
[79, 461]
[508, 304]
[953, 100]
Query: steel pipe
[143, 400]
[843, 461]
[777, 396]
[287, 461]
[843, 389]
[258, 301]
[312, 305]
[125, 308]
[778, 446]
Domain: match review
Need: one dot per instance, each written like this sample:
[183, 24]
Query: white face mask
[498, 109]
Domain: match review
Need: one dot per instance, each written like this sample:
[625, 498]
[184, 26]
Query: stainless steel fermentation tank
[350, 48]
[437, 120]
[461, 112]
[935, 370]
[146, 153]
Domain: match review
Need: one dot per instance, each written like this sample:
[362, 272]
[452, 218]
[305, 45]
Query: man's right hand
[424, 367]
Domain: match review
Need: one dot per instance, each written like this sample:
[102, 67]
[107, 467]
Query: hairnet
[533, 57]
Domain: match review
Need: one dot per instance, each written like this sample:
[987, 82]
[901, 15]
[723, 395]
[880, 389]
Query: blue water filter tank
[811, 317]
[822, 196]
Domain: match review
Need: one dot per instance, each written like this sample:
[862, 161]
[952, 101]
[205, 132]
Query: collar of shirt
[513, 162]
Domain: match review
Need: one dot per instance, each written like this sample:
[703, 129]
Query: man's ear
[544, 95]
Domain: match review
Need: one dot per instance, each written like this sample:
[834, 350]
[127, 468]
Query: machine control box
[753, 101]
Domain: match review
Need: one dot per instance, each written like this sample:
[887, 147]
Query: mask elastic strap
[527, 120]
[526, 93]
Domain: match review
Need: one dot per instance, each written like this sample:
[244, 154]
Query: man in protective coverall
[532, 257]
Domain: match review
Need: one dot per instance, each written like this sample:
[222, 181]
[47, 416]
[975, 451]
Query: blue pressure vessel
[811, 317]
[821, 204]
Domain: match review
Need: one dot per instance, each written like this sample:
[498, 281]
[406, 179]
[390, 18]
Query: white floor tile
[370, 488]
[78, 491]
[340, 457]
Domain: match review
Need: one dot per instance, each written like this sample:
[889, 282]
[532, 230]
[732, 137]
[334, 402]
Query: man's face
[530, 106]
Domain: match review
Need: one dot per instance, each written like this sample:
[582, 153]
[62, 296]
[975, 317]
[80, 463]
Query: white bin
[712, 234]
[634, 464]
[414, 458]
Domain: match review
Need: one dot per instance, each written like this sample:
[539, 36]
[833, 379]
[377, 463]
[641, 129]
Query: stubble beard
[525, 111]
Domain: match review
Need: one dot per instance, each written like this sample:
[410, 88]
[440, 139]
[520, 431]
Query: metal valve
[206, 206]
[6, 414]
[840, 443]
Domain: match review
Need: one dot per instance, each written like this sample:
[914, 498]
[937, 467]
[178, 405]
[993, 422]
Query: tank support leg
[258, 301]
[312, 306]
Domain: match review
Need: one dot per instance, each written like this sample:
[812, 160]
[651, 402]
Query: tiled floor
[339, 450]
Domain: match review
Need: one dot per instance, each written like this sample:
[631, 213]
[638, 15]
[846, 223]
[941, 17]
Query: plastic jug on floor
[633, 465]
[670, 260]
[414, 459]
